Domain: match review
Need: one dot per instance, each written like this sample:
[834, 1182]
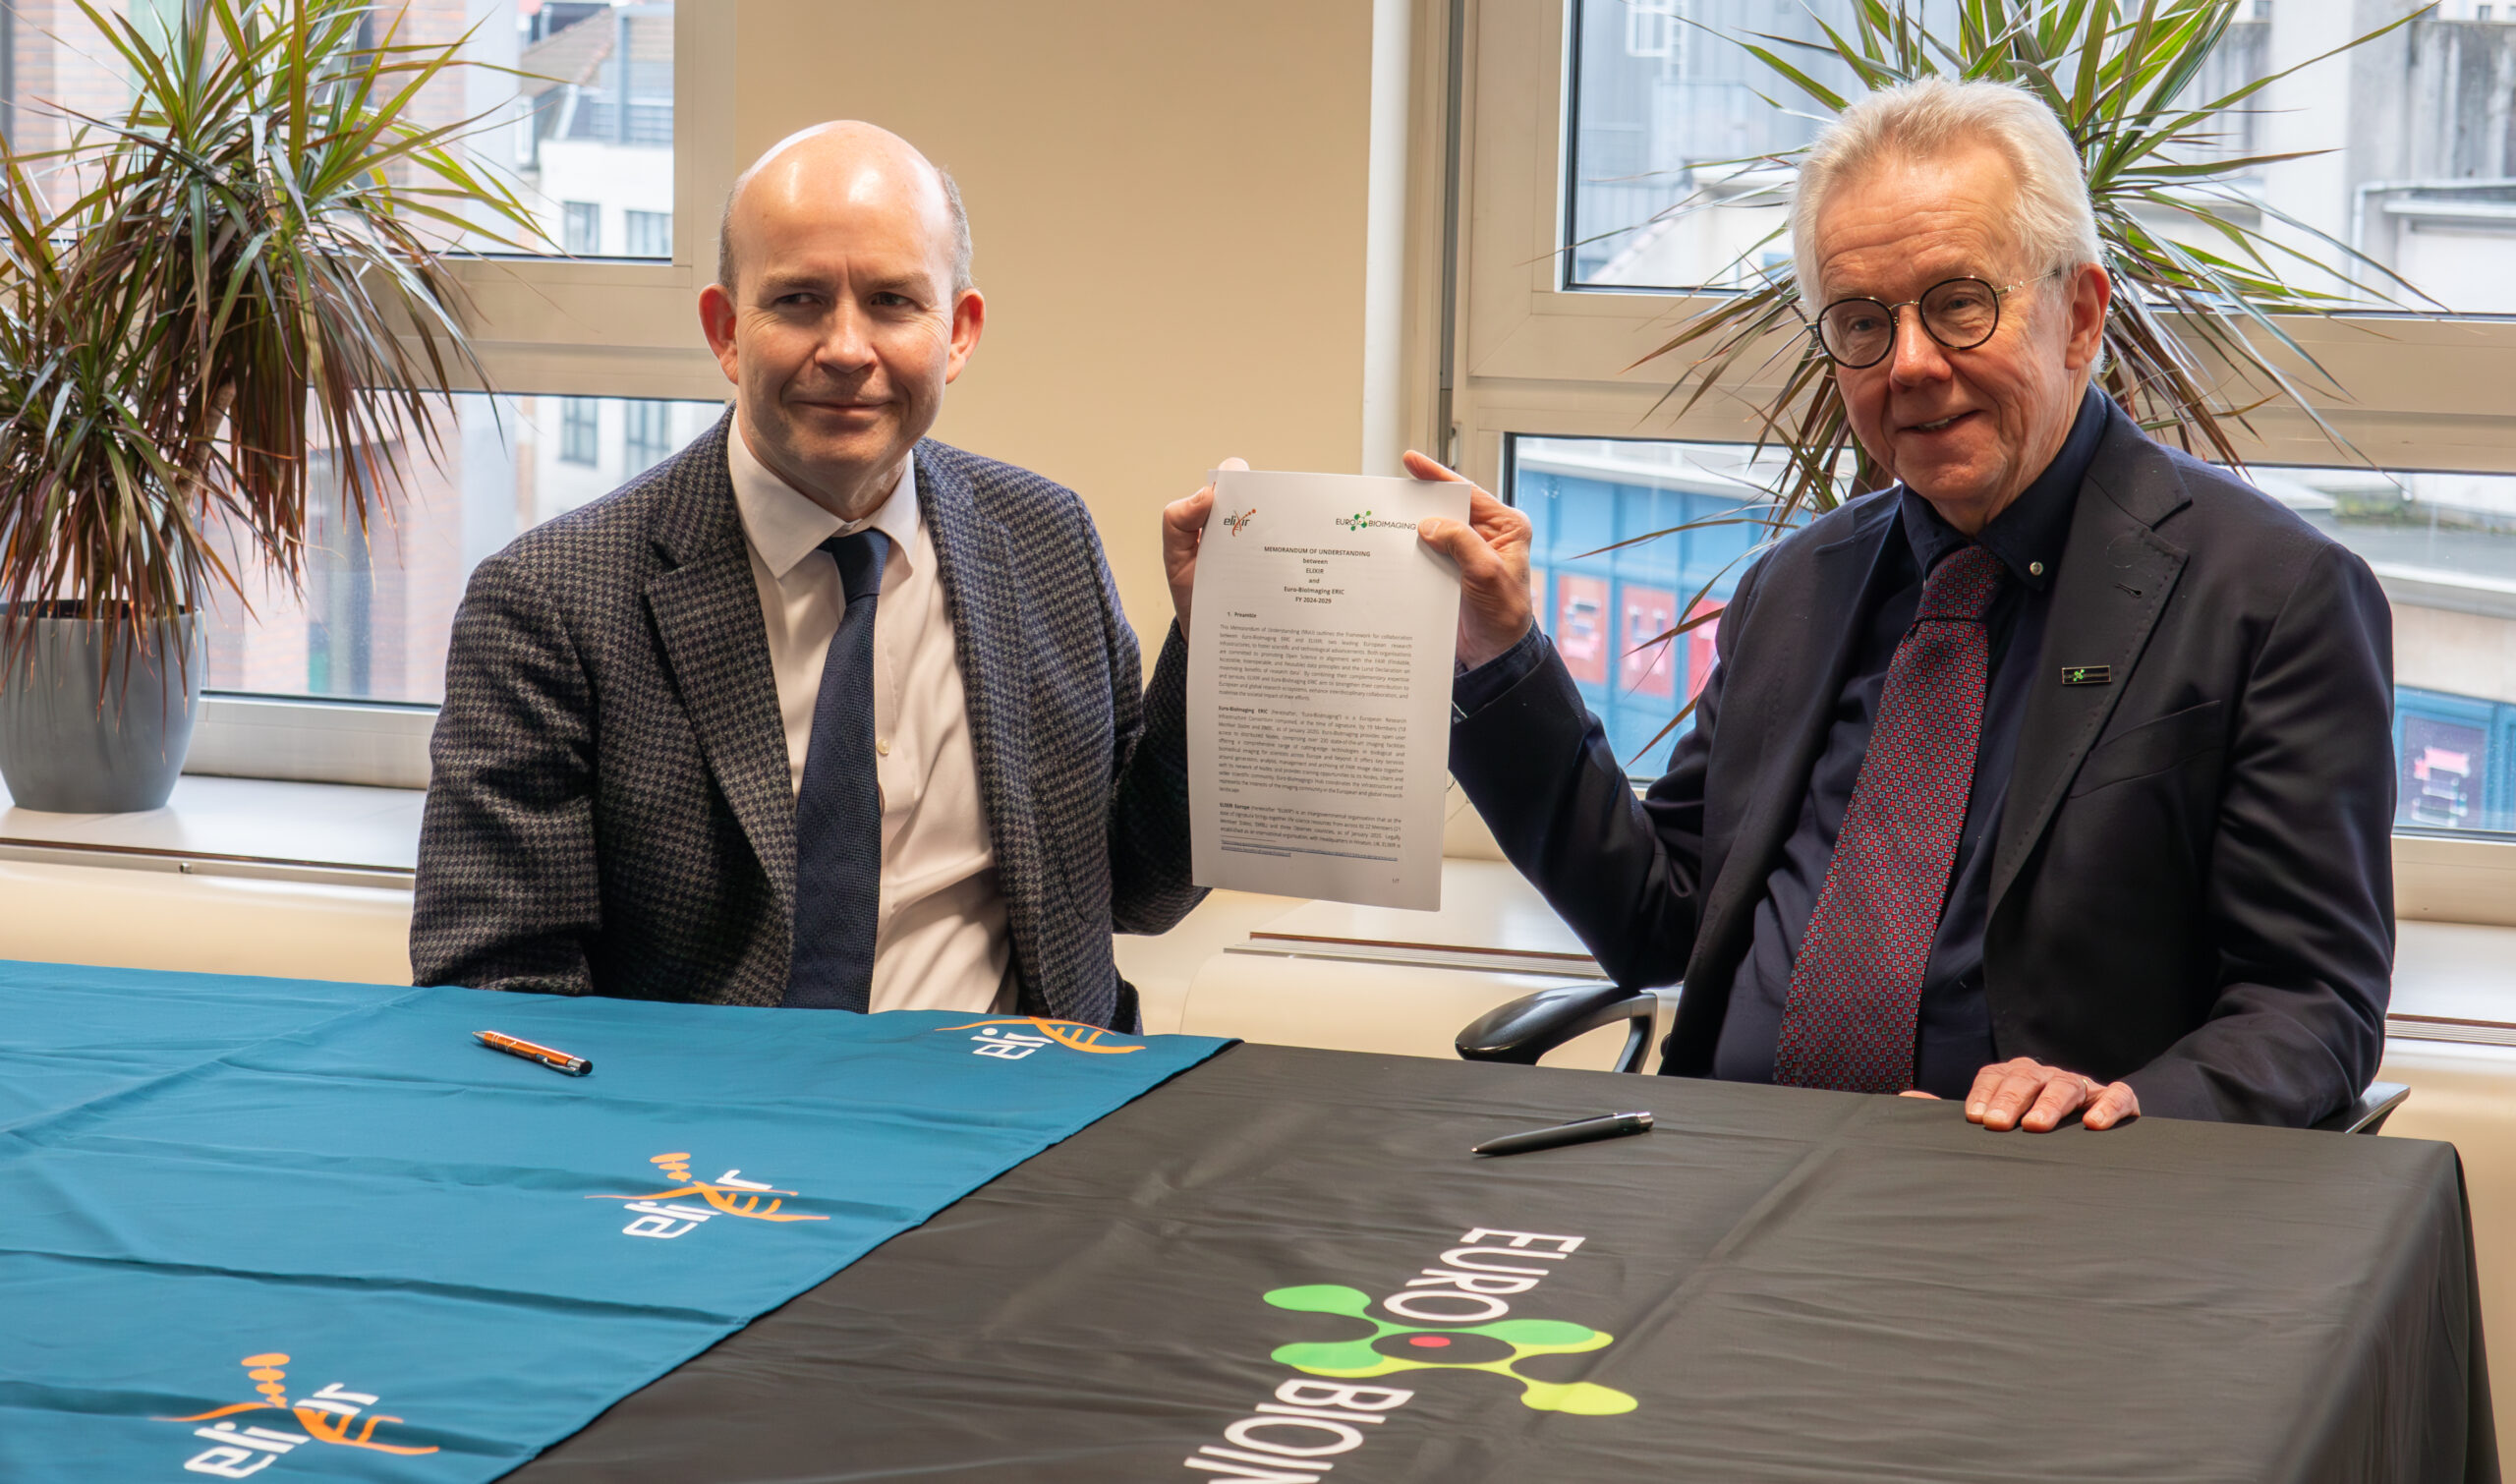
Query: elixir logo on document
[998, 1039]
[241, 1451]
[661, 1213]
[1238, 521]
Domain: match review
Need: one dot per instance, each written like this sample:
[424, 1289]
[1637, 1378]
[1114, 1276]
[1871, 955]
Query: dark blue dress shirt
[1954, 1039]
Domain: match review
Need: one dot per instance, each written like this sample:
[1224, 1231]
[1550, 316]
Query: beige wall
[1169, 202]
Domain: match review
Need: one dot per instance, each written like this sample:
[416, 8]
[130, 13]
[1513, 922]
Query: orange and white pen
[556, 1061]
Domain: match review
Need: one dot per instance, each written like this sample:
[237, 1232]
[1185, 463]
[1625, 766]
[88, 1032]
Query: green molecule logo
[1356, 521]
[1495, 1346]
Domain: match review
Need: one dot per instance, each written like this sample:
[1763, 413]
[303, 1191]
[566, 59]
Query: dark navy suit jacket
[2192, 878]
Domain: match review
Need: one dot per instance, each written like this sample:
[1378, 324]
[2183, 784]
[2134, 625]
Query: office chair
[1527, 1028]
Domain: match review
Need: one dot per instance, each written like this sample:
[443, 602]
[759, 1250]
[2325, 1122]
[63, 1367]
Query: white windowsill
[321, 832]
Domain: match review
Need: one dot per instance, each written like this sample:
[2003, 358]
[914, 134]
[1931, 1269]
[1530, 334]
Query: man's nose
[1916, 358]
[846, 344]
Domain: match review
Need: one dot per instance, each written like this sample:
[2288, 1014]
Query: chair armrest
[2369, 1114]
[1532, 1025]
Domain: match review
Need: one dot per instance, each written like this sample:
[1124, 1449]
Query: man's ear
[717, 322]
[2092, 291]
[969, 319]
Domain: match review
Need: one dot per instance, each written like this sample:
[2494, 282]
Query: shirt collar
[2029, 534]
[785, 526]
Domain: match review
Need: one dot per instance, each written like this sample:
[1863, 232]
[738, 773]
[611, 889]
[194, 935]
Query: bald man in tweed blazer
[610, 811]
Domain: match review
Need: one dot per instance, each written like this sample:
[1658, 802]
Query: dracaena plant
[2122, 81]
[198, 294]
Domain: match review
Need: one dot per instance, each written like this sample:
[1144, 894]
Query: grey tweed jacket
[610, 811]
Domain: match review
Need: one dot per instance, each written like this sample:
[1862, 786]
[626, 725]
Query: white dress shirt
[941, 941]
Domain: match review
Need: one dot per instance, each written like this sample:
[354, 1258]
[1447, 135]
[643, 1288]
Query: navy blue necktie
[838, 813]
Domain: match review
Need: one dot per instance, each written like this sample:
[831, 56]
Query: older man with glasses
[2057, 776]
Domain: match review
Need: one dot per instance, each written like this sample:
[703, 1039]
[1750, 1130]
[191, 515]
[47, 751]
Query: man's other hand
[1492, 555]
[1183, 526]
[2021, 1093]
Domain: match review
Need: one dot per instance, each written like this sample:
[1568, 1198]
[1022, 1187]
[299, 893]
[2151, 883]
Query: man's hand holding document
[1321, 643]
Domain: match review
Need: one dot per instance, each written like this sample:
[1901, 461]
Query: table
[1775, 1285]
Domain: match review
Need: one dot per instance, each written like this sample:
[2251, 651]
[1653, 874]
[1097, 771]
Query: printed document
[1319, 688]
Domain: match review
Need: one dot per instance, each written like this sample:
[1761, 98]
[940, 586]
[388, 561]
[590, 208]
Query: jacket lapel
[706, 609]
[2116, 575]
[984, 592]
[1791, 721]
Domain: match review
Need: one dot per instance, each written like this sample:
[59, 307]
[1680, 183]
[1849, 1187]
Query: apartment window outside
[646, 434]
[580, 430]
[646, 234]
[582, 232]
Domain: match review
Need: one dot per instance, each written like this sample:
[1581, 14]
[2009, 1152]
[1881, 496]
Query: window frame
[1528, 356]
[543, 326]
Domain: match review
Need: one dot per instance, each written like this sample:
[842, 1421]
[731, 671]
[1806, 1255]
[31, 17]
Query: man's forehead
[1888, 231]
[815, 235]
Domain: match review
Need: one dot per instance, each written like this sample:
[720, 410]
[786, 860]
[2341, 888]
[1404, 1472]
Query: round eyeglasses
[1960, 313]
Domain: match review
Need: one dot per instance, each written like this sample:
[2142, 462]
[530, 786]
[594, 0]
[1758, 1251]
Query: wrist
[1479, 649]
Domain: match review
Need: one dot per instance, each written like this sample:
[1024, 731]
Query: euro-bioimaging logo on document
[239, 1450]
[1361, 519]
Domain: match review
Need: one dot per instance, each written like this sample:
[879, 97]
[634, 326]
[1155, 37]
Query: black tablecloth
[1791, 1286]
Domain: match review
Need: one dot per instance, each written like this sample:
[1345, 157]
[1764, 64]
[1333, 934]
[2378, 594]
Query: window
[593, 125]
[647, 233]
[581, 104]
[647, 435]
[1582, 122]
[378, 604]
[583, 235]
[1607, 606]
[2443, 546]
[580, 430]
[1672, 187]
[594, 113]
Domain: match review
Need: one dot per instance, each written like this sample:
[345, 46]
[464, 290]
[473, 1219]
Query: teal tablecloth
[300, 1230]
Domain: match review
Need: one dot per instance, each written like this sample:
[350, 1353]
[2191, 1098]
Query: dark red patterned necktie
[1856, 990]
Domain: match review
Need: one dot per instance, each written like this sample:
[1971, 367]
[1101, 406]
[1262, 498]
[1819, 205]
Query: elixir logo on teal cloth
[341, 1173]
[238, 1451]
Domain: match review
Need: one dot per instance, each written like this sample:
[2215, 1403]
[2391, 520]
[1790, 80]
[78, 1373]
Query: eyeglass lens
[1959, 314]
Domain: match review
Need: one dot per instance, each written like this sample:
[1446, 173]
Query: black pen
[1580, 1131]
[556, 1061]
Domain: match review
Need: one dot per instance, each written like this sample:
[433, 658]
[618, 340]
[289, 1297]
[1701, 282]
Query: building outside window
[646, 234]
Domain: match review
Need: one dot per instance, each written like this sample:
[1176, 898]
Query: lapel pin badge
[2088, 674]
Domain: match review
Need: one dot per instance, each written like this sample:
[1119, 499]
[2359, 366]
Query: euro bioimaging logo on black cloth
[1454, 1316]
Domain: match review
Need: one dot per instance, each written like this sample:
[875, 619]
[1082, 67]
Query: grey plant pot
[71, 745]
